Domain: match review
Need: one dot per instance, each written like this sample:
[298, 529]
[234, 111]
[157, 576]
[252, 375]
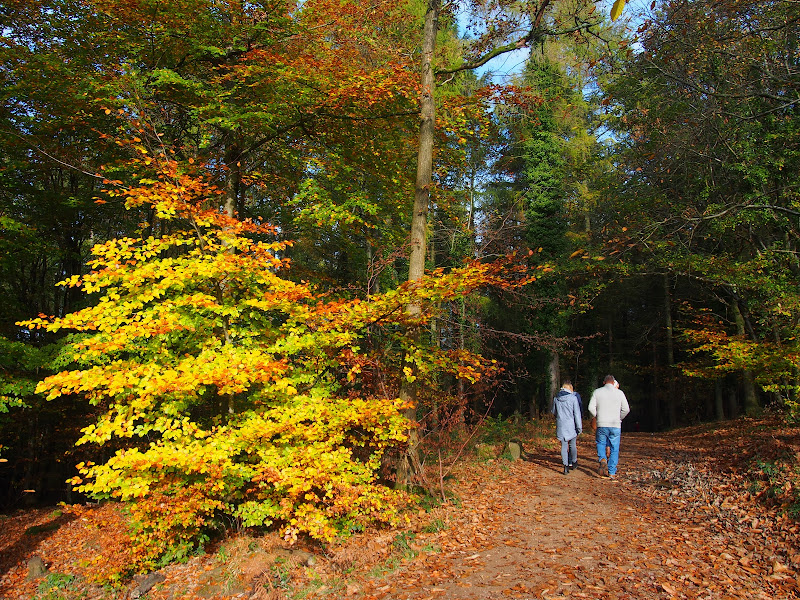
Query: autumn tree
[227, 389]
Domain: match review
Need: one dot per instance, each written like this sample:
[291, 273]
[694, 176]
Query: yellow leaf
[616, 10]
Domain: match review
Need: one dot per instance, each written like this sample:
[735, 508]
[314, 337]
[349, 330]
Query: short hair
[609, 379]
[566, 382]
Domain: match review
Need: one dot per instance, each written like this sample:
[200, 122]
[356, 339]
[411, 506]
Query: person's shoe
[574, 465]
[566, 469]
[603, 467]
[613, 478]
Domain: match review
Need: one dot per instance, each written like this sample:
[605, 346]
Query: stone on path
[36, 568]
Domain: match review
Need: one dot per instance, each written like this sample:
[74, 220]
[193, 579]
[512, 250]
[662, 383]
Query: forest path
[687, 518]
[662, 530]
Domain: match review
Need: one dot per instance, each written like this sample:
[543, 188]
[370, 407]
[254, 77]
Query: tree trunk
[732, 385]
[373, 285]
[554, 373]
[233, 179]
[719, 399]
[462, 321]
[708, 401]
[462, 344]
[232, 184]
[655, 419]
[419, 222]
[422, 189]
[785, 385]
[750, 397]
[672, 401]
[434, 326]
[533, 405]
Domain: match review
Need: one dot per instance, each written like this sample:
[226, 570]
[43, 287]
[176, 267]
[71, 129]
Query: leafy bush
[497, 430]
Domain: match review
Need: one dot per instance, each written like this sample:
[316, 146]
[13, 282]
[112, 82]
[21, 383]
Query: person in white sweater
[609, 405]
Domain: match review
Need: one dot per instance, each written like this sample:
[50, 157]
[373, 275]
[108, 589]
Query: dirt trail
[532, 532]
[685, 519]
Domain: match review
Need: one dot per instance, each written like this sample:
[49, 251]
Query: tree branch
[741, 206]
[67, 165]
[534, 33]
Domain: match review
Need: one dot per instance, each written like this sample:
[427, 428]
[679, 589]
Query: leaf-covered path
[686, 519]
[665, 529]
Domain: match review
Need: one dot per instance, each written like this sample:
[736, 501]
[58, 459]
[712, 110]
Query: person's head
[566, 385]
[609, 379]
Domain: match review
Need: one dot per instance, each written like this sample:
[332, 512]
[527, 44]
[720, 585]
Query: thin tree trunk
[672, 401]
[719, 399]
[462, 320]
[533, 405]
[373, 286]
[555, 374]
[785, 385]
[233, 179]
[462, 344]
[733, 402]
[434, 326]
[419, 223]
[750, 397]
[232, 183]
[655, 420]
[708, 401]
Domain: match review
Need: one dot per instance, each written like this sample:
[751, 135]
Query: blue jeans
[608, 436]
[569, 451]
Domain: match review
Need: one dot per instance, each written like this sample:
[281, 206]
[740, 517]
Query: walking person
[609, 405]
[608, 447]
[569, 424]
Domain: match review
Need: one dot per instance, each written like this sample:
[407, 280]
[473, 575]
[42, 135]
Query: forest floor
[704, 512]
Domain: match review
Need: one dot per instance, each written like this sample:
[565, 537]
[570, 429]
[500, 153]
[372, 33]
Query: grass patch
[56, 586]
[496, 430]
[435, 526]
[402, 543]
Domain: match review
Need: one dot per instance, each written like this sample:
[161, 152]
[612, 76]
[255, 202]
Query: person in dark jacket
[569, 424]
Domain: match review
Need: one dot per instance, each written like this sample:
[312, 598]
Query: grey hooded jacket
[567, 409]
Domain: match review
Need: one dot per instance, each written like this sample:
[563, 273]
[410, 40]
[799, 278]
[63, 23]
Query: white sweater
[609, 405]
